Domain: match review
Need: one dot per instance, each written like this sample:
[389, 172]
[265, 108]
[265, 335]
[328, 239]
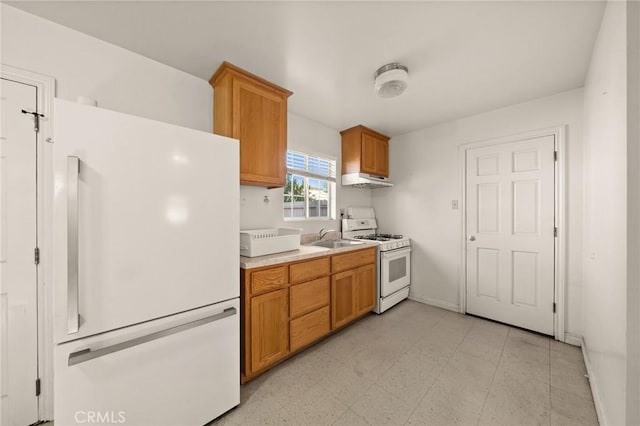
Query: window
[310, 187]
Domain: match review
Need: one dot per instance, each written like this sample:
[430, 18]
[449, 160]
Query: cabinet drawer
[352, 260]
[269, 279]
[301, 272]
[309, 296]
[309, 328]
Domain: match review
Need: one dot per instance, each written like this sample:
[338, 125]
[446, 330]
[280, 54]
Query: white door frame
[46, 91]
[560, 243]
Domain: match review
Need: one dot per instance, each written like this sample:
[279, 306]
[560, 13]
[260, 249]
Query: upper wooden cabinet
[365, 151]
[254, 111]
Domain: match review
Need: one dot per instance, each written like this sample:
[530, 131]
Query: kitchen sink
[336, 243]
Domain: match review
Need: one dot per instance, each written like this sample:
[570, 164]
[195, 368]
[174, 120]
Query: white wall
[605, 230]
[633, 213]
[425, 168]
[307, 136]
[117, 78]
[125, 81]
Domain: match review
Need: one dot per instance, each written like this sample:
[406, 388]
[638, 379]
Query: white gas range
[394, 256]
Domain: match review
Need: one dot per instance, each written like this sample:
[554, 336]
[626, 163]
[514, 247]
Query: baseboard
[434, 302]
[573, 339]
[593, 385]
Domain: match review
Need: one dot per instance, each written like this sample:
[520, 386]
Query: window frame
[305, 174]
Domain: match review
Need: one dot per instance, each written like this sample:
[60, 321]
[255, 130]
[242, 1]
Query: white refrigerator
[146, 275]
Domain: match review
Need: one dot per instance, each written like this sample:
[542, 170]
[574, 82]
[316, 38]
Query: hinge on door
[555, 155]
[555, 231]
[36, 255]
[554, 307]
[38, 386]
[36, 119]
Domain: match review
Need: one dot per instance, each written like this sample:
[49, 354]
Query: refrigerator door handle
[73, 309]
[88, 354]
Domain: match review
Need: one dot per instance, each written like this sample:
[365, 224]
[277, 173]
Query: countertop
[304, 252]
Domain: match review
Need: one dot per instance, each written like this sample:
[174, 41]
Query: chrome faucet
[323, 233]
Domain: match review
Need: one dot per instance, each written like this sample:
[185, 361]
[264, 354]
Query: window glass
[309, 188]
[294, 197]
[318, 191]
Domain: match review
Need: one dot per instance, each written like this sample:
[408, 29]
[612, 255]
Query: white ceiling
[463, 57]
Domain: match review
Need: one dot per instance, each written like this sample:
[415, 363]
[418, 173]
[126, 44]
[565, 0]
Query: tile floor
[417, 364]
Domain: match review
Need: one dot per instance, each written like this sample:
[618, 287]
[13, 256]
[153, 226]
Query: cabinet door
[368, 158]
[260, 123]
[382, 157]
[269, 328]
[342, 298]
[375, 155]
[365, 293]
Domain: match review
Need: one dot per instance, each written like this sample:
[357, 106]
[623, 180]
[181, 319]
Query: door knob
[472, 238]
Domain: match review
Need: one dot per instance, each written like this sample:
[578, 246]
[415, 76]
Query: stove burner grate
[379, 237]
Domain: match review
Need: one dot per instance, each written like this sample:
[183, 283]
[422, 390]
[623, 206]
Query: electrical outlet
[454, 204]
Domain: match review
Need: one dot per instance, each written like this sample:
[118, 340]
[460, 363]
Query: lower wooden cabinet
[269, 328]
[309, 328]
[268, 280]
[309, 296]
[353, 294]
[342, 302]
[365, 292]
[351, 260]
[287, 307]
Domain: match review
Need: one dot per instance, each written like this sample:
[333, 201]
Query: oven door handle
[395, 253]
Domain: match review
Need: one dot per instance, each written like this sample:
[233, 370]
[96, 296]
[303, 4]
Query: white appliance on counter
[393, 260]
[146, 298]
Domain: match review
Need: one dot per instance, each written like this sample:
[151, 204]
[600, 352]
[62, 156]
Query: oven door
[395, 270]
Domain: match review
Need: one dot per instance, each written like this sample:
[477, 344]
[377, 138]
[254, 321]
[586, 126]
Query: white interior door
[18, 273]
[510, 226]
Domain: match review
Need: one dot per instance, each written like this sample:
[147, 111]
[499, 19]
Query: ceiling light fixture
[391, 80]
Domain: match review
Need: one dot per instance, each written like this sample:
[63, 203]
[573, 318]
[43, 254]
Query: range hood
[364, 180]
